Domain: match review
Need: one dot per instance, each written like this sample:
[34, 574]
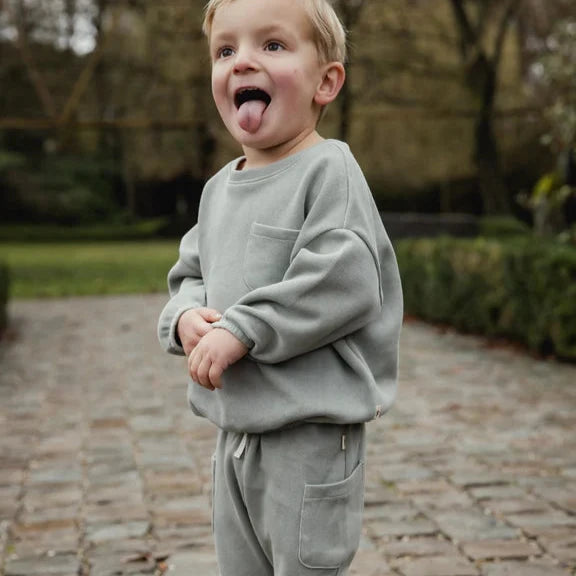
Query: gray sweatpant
[289, 502]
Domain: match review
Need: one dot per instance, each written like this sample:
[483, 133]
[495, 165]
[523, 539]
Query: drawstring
[239, 452]
[241, 447]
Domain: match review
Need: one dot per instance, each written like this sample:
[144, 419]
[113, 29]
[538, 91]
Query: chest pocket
[267, 254]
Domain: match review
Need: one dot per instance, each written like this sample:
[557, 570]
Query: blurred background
[462, 114]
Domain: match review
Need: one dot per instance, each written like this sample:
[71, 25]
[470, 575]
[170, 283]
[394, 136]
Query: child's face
[266, 73]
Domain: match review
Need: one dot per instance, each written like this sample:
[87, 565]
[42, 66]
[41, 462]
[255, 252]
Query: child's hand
[194, 324]
[215, 352]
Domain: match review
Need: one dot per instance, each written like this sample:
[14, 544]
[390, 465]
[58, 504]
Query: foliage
[547, 202]
[109, 232]
[10, 161]
[59, 188]
[55, 270]
[554, 75]
[568, 236]
[519, 289]
[411, 123]
[502, 227]
[4, 289]
[555, 72]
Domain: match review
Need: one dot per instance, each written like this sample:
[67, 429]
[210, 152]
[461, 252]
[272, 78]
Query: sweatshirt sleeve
[330, 290]
[332, 285]
[186, 287]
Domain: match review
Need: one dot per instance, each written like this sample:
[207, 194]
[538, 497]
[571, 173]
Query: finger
[193, 362]
[216, 316]
[200, 327]
[203, 372]
[215, 375]
[209, 314]
[196, 370]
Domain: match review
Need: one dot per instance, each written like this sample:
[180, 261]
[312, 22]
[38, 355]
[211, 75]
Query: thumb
[209, 314]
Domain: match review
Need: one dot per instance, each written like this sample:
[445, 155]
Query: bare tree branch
[70, 11]
[81, 84]
[18, 15]
[509, 14]
[484, 12]
[468, 35]
[350, 11]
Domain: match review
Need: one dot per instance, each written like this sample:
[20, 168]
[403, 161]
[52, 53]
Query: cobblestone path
[103, 470]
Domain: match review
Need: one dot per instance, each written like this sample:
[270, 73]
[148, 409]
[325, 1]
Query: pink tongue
[250, 115]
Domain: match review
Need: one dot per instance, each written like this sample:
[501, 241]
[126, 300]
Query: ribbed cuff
[235, 331]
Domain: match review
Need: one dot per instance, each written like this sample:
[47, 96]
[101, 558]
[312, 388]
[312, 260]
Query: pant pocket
[331, 522]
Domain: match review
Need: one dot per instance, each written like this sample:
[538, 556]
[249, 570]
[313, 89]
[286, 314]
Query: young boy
[286, 299]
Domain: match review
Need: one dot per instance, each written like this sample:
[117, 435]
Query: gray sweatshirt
[295, 257]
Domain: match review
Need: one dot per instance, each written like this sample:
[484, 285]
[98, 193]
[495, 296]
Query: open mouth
[251, 104]
[249, 95]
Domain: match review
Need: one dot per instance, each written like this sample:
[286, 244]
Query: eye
[273, 46]
[224, 52]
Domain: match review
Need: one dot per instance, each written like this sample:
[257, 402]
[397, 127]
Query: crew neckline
[274, 168]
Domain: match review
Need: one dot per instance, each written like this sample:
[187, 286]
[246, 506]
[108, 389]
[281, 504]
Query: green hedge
[519, 289]
[502, 227]
[108, 232]
[4, 283]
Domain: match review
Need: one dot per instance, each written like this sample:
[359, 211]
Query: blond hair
[329, 34]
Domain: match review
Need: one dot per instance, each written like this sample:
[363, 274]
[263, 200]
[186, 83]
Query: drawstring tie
[241, 447]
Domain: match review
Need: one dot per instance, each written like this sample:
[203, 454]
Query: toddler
[286, 299]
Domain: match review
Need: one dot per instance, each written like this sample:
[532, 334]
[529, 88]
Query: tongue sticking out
[250, 115]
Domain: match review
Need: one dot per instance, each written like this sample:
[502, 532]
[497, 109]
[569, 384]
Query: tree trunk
[487, 156]
[350, 13]
[491, 178]
[495, 197]
[345, 108]
[481, 71]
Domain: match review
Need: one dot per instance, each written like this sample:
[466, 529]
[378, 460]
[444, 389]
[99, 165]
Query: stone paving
[104, 471]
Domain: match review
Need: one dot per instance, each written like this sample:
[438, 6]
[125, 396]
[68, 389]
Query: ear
[332, 81]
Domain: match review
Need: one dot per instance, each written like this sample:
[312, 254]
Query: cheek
[218, 80]
[216, 86]
[291, 82]
[219, 93]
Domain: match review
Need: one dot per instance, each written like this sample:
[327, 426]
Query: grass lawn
[44, 270]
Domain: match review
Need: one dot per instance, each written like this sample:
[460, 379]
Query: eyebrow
[270, 29]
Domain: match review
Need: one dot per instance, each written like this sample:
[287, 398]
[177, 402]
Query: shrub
[105, 232]
[4, 283]
[519, 289]
[57, 188]
[502, 227]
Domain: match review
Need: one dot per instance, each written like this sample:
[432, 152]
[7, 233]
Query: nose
[244, 61]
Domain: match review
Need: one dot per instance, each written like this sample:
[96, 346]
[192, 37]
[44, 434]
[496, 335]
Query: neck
[256, 158]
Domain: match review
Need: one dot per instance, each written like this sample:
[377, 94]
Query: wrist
[225, 324]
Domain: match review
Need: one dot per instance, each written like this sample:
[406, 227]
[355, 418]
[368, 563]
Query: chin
[257, 141]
